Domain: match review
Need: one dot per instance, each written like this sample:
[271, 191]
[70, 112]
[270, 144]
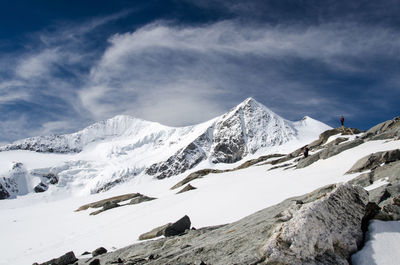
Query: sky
[67, 64]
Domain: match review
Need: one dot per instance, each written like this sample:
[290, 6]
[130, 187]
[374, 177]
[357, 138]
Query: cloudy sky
[66, 64]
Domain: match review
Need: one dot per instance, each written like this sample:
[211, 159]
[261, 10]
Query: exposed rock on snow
[66, 259]
[170, 229]
[374, 160]
[203, 172]
[326, 231]
[99, 251]
[188, 187]
[113, 202]
[385, 130]
[324, 227]
[328, 152]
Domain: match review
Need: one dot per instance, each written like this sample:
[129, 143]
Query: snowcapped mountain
[244, 208]
[116, 150]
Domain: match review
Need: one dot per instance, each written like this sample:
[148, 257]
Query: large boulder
[179, 227]
[326, 231]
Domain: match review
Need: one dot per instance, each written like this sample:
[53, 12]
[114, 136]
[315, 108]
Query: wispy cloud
[215, 65]
[180, 74]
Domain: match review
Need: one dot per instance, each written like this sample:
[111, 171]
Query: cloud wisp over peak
[180, 73]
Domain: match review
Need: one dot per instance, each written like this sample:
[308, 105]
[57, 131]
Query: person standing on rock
[342, 121]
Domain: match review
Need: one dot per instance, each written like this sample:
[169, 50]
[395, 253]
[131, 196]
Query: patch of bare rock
[114, 202]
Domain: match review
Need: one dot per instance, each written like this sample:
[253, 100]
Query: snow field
[38, 227]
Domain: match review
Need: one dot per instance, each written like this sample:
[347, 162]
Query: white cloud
[154, 71]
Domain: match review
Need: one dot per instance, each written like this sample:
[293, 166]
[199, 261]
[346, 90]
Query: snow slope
[44, 225]
[117, 150]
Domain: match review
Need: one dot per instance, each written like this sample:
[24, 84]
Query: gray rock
[195, 175]
[328, 152]
[99, 251]
[141, 199]
[188, 187]
[325, 231]
[385, 130]
[156, 232]
[374, 160]
[326, 222]
[66, 259]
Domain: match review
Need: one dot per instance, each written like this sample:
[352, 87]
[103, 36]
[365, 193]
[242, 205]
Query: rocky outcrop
[113, 202]
[374, 160]
[188, 187]
[181, 161]
[66, 259]
[326, 231]
[325, 224]
[385, 130]
[203, 172]
[384, 198]
[328, 152]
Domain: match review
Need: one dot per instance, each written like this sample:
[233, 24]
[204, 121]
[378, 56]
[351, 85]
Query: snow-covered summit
[116, 150]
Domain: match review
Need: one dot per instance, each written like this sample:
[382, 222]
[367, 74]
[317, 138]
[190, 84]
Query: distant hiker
[342, 120]
[305, 151]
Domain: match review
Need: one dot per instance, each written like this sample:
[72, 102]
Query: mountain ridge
[116, 150]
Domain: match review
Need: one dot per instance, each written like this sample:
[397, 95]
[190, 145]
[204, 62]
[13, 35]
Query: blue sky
[67, 64]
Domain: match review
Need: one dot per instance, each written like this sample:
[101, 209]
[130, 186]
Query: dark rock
[3, 193]
[188, 187]
[371, 210]
[85, 253]
[66, 259]
[178, 228]
[52, 178]
[95, 262]
[41, 187]
[99, 251]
